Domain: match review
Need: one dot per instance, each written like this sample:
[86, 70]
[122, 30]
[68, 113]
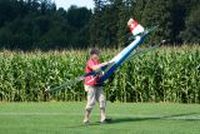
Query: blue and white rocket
[139, 33]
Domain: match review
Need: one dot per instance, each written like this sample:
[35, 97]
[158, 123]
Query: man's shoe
[107, 120]
[86, 122]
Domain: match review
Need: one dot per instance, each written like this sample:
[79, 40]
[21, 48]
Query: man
[94, 88]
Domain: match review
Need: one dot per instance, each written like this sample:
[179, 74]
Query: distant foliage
[177, 21]
[192, 32]
[165, 75]
[38, 24]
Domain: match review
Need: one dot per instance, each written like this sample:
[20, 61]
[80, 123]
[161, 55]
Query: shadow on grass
[168, 117]
[137, 119]
[84, 125]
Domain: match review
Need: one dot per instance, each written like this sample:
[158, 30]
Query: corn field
[168, 74]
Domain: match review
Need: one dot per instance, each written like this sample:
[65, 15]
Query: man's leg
[102, 102]
[87, 115]
[90, 102]
[103, 114]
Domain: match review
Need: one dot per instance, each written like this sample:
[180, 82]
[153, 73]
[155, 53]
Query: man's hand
[105, 63]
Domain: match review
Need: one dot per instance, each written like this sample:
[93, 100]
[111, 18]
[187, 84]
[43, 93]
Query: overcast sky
[80, 3]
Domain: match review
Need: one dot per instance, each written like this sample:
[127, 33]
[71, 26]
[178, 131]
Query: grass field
[128, 118]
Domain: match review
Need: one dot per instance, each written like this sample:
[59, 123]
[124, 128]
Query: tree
[191, 34]
[108, 24]
[78, 20]
[122, 15]
[138, 8]
[156, 12]
[97, 23]
[37, 24]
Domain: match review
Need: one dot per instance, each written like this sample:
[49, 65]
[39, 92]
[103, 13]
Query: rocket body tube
[122, 56]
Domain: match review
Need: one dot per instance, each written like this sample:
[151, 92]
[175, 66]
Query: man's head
[94, 53]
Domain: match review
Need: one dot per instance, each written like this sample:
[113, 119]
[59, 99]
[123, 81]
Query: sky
[80, 3]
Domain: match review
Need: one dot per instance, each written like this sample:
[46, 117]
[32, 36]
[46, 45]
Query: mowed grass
[128, 118]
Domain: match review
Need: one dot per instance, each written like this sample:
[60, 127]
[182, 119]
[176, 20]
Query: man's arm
[96, 67]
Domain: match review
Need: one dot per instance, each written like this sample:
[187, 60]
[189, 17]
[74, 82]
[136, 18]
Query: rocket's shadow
[167, 117]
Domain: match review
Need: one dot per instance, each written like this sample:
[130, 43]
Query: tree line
[39, 24]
